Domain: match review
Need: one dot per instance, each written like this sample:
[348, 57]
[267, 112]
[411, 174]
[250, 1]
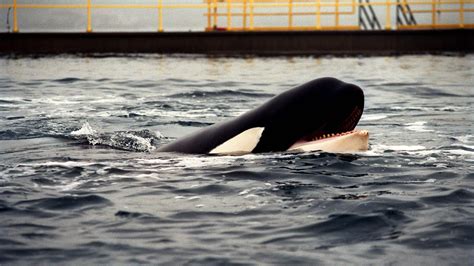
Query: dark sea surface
[81, 182]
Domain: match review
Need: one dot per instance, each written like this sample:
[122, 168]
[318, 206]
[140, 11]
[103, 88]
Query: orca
[318, 115]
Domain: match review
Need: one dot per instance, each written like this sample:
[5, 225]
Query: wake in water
[139, 141]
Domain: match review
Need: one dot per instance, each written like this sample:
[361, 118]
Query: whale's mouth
[331, 135]
[329, 138]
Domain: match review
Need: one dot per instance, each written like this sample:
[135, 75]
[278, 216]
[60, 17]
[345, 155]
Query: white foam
[464, 139]
[398, 147]
[418, 126]
[62, 100]
[192, 198]
[148, 176]
[198, 113]
[199, 162]
[410, 108]
[86, 129]
[195, 162]
[152, 161]
[430, 109]
[380, 149]
[144, 143]
[424, 152]
[71, 185]
[373, 117]
[251, 196]
[67, 164]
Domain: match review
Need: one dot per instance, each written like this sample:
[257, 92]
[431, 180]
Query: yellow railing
[284, 10]
[456, 7]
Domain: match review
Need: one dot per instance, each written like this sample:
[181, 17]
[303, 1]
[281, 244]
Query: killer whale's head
[318, 109]
[300, 116]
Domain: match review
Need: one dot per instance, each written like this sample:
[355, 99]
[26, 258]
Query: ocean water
[81, 181]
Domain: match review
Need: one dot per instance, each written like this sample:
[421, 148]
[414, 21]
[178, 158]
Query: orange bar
[388, 22]
[160, 15]
[15, 17]
[89, 19]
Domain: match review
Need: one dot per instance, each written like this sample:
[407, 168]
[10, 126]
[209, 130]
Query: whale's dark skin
[322, 106]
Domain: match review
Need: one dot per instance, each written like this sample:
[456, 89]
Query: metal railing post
[15, 17]
[160, 15]
[388, 21]
[461, 14]
[433, 13]
[337, 14]
[89, 19]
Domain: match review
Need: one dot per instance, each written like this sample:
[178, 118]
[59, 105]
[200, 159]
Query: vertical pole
[89, 19]
[318, 14]
[15, 17]
[215, 14]
[244, 18]
[433, 13]
[388, 21]
[290, 14]
[229, 17]
[251, 14]
[160, 15]
[337, 13]
[461, 14]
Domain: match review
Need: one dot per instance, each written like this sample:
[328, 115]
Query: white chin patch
[243, 143]
[355, 141]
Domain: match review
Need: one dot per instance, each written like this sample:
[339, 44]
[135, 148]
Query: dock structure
[259, 27]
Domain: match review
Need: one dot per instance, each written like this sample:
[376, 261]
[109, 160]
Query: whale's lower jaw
[350, 142]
